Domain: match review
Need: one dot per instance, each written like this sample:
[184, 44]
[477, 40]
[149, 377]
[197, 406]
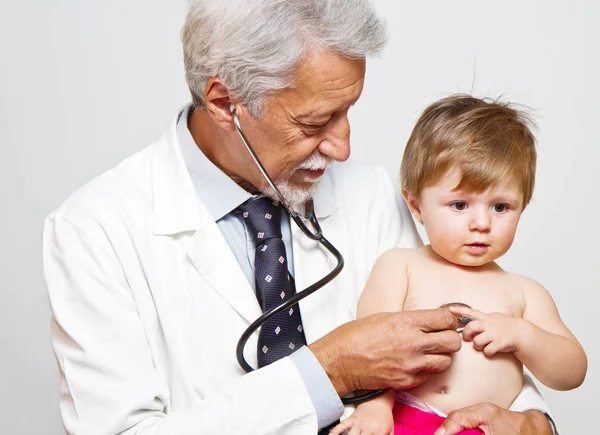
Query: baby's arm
[384, 292]
[548, 349]
[373, 417]
[387, 284]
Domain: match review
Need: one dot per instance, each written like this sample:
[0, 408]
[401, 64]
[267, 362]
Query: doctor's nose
[336, 143]
[480, 221]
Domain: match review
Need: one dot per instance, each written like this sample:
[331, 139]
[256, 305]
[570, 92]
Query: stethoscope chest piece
[462, 321]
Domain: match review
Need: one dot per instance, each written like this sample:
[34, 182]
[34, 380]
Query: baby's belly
[471, 379]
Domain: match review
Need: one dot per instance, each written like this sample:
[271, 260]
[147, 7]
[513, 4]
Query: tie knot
[263, 218]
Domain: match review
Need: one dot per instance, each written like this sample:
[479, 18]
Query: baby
[467, 175]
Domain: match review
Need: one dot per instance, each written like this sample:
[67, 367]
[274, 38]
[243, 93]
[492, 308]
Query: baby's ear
[413, 205]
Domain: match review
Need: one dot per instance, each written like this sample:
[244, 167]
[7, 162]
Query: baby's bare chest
[493, 292]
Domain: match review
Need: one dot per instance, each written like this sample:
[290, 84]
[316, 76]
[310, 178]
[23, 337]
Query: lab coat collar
[177, 207]
[218, 193]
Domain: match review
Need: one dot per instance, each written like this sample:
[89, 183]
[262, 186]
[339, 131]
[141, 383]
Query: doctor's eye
[458, 205]
[314, 126]
[500, 208]
[311, 129]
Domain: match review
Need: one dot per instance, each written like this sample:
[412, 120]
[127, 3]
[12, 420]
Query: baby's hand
[490, 332]
[367, 420]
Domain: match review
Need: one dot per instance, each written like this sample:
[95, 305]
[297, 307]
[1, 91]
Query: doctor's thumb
[464, 421]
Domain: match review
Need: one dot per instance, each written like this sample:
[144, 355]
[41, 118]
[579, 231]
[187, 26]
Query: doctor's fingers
[433, 363]
[441, 342]
[439, 319]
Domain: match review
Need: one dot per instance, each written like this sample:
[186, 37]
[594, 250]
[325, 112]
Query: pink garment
[413, 421]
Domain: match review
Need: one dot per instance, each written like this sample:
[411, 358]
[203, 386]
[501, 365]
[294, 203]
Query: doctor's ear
[218, 102]
[413, 204]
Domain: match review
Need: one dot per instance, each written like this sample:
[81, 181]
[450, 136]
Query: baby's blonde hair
[489, 142]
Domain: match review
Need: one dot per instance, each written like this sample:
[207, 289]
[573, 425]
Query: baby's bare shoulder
[392, 261]
[522, 283]
[525, 289]
[400, 253]
[397, 257]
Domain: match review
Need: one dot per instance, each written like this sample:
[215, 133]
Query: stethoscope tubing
[318, 236]
[292, 301]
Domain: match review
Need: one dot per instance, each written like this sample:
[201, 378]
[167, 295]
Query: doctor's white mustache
[315, 162]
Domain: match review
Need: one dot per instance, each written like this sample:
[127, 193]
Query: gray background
[85, 84]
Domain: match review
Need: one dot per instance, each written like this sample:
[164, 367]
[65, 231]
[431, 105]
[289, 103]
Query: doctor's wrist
[536, 423]
[330, 356]
[337, 352]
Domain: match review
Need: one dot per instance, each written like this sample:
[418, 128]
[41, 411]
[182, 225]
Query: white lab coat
[148, 301]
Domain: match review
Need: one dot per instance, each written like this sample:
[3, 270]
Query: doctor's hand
[396, 350]
[493, 420]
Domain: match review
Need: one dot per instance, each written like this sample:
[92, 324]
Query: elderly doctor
[156, 267]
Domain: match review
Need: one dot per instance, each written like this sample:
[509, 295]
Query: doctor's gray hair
[255, 46]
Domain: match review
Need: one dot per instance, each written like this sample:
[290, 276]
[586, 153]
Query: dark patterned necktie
[282, 333]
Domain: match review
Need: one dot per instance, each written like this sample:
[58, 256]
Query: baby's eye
[458, 205]
[500, 208]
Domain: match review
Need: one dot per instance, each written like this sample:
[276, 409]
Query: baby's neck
[428, 251]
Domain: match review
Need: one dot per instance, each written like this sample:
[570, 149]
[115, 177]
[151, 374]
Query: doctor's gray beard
[297, 196]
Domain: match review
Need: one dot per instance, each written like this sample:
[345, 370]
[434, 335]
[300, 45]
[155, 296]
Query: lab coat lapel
[312, 262]
[214, 260]
[177, 209]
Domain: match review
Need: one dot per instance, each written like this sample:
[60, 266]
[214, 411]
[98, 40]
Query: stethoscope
[315, 234]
